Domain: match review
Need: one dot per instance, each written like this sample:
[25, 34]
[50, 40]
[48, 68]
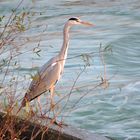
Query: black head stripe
[76, 19]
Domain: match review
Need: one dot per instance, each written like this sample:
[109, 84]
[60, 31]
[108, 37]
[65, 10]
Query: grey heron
[50, 72]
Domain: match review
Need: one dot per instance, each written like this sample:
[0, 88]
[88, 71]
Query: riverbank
[40, 129]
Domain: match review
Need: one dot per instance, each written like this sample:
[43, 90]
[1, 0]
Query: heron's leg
[55, 109]
[52, 98]
[39, 104]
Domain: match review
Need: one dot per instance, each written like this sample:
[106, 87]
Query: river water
[113, 111]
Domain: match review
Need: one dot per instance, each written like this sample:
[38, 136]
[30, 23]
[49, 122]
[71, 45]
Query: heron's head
[77, 21]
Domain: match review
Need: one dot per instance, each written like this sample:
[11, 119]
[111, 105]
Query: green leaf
[86, 58]
[108, 48]
[1, 18]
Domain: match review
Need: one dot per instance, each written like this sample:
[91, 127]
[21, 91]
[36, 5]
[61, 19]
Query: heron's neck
[64, 49]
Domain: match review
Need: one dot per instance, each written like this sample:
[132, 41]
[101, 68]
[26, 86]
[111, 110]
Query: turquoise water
[114, 111]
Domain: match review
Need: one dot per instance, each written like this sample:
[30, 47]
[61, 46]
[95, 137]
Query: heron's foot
[60, 124]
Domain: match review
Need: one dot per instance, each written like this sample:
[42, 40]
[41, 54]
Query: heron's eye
[75, 19]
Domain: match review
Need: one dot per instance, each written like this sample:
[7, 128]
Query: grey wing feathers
[43, 80]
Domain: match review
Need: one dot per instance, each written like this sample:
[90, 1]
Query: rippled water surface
[114, 111]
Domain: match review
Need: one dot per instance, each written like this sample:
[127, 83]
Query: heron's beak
[86, 23]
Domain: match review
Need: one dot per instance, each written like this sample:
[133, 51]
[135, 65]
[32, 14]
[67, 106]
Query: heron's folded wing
[44, 81]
